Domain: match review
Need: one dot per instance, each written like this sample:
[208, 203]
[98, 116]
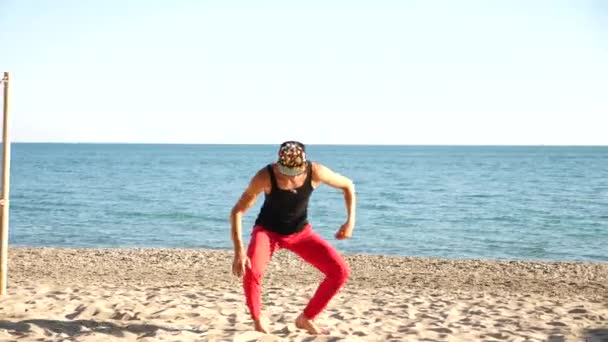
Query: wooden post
[4, 202]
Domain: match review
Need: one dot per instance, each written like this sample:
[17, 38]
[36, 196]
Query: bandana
[292, 158]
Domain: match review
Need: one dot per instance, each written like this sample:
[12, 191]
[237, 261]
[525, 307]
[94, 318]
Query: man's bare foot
[304, 323]
[261, 325]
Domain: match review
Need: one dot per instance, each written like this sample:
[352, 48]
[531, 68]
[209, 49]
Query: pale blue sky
[417, 72]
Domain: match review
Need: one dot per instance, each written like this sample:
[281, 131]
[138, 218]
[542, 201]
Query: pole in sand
[6, 162]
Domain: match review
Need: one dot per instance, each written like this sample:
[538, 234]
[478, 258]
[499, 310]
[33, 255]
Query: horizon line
[308, 144]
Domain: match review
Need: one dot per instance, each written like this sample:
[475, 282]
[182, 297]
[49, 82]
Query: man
[282, 223]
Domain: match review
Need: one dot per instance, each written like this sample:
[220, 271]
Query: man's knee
[341, 272]
[254, 273]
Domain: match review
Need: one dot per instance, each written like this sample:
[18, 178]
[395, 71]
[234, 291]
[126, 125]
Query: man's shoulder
[263, 173]
[316, 166]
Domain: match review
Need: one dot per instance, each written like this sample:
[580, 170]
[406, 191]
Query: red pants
[310, 247]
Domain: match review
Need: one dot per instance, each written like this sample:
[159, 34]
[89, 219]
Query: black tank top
[286, 211]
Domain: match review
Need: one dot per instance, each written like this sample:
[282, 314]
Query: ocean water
[541, 203]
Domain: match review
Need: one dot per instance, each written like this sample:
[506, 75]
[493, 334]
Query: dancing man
[283, 223]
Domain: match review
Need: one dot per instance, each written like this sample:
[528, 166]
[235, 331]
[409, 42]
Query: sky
[411, 72]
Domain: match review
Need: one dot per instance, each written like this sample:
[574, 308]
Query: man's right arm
[246, 201]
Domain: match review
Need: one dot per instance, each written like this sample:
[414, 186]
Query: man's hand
[240, 262]
[346, 231]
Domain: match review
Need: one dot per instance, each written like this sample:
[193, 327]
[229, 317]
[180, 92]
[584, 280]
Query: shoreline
[588, 278]
[343, 252]
[189, 294]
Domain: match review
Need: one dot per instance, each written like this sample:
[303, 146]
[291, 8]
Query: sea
[547, 203]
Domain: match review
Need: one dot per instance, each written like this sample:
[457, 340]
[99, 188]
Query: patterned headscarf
[292, 158]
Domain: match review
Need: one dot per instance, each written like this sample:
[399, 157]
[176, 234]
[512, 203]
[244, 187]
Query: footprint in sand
[557, 324]
[498, 336]
[339, 316]
[359, 333]
[122, 316]
[76, 312]
[577, 311]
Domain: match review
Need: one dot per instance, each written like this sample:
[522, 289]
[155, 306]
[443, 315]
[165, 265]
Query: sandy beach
[190, 295]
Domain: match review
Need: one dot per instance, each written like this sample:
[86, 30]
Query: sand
[190, 295]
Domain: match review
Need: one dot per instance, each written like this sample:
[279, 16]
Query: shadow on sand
[78, 327]
[596, 335]
[81, 327]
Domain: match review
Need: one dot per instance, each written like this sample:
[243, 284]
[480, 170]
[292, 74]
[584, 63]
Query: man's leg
[260, 250]
[315, 250]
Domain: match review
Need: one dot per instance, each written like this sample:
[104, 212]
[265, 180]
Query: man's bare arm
[246, 201]
[324, 175]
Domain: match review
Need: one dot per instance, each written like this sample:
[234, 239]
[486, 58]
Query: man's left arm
[325, 175]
